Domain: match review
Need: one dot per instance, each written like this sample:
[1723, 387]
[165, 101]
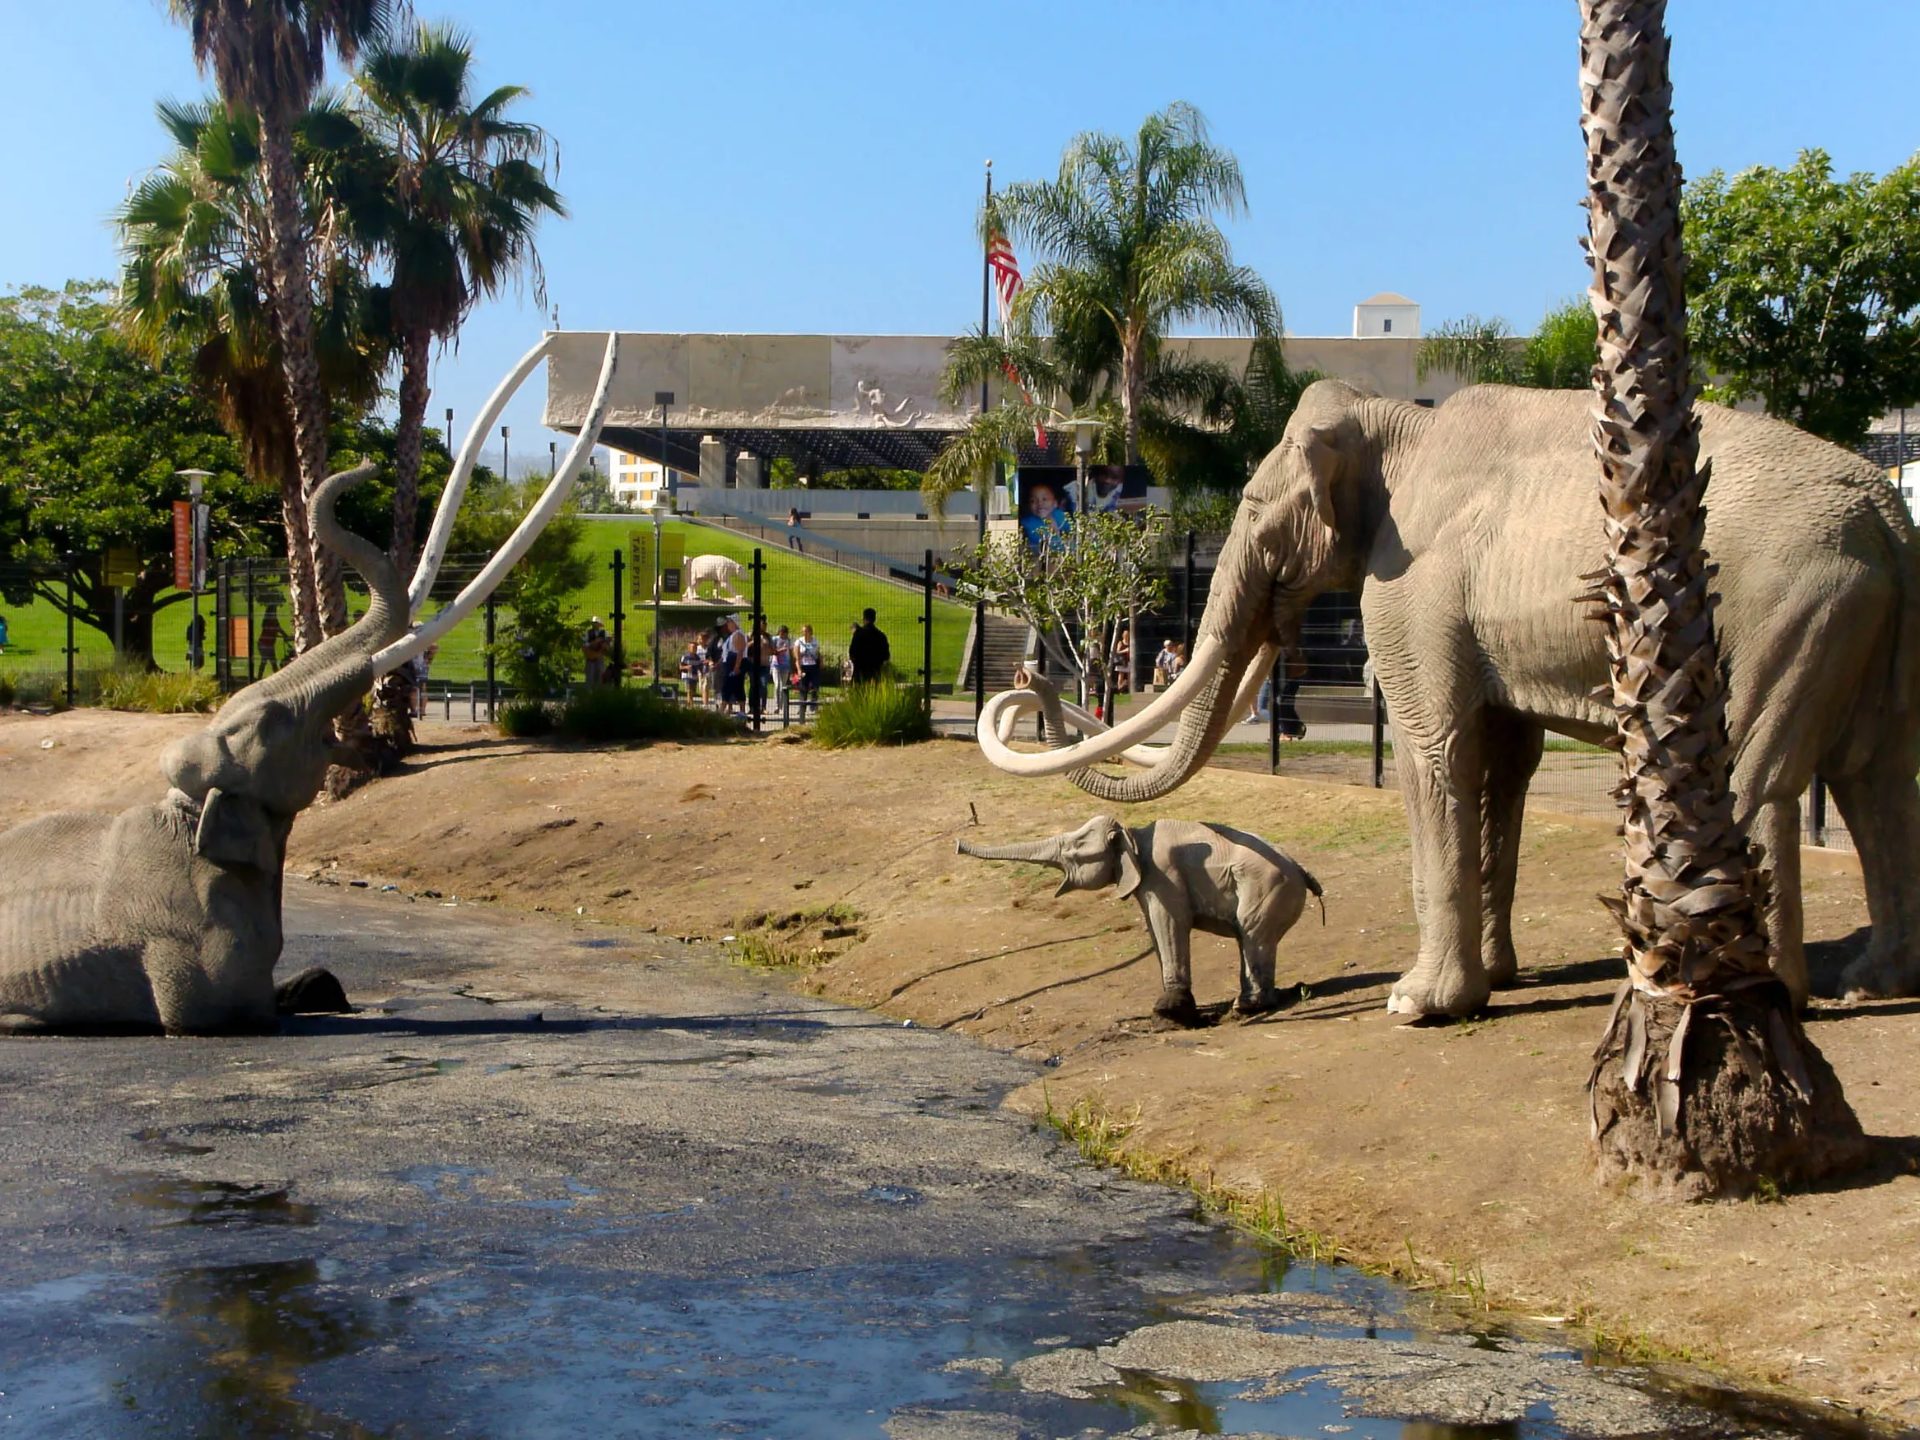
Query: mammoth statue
[1466, 530]
[166, 917]
[1185, 876]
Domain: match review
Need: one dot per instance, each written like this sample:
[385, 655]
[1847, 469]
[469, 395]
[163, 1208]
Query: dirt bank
[1459, 1147]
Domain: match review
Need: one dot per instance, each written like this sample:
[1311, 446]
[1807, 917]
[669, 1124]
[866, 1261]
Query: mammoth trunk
[1202, 726]
[1037, 852]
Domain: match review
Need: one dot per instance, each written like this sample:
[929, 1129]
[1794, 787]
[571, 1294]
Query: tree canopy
[91, 433]
[1558, 355]
[1804, 290]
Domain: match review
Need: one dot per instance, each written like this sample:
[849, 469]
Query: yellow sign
[673, 551]
[123, 567]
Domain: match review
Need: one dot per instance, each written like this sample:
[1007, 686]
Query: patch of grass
[525, 719]
[880, 713]
[606, 713]
[767, 952]
[159, 692]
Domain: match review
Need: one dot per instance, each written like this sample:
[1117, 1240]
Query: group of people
[741, 671]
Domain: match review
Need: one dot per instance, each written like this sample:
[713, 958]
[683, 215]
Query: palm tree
[1705, 1080]
[466, 191]
[197, 249]
[268, 58]
[1559, 355]
[1128, 244]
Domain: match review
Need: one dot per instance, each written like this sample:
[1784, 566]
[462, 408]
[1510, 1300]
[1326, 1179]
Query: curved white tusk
[1107, 743]
[1013, 705]
[435, 549]
[510, 554]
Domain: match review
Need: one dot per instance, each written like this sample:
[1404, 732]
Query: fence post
[619, 634]
[1379, 738]
[490, 686]
[70, 563]
[1275, 679]
[756, 691]
[979, 658]
[1818, 817]
[926, 638]
[253, 641]
[223, 622]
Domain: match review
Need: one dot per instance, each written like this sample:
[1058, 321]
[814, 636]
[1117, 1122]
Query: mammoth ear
[236, 831]
[1322, 452]
[1126, 850]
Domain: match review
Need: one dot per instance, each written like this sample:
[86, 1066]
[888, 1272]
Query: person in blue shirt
[1046, 523]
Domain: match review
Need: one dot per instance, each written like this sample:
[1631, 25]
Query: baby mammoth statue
[166, 917]
[1185, 875]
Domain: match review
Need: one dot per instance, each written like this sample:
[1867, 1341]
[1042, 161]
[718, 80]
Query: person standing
[268, 643]
[733, 683]
[794, 528]
[3, 634]
[868, 649]
[594, 649]
[807, 653]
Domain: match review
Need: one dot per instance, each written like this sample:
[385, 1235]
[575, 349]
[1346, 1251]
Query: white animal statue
[717, 571]
[1186, 877]
[1466, 529]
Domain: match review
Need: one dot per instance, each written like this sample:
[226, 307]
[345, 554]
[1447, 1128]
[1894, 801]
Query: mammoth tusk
[510, 554]
[1104, 743]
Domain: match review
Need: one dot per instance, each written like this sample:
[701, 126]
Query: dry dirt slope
[1462, 1145]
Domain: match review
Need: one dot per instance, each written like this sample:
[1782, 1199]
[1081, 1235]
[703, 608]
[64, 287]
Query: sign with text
[183, 545]
[673, 554]
[122, 567]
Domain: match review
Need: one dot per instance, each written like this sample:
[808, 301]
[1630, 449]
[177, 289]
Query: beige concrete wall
[873, 382]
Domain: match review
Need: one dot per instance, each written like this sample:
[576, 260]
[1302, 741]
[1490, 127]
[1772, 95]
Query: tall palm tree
[1705, 1080]
[467, 189]
[197, 248]
[1128, 244]
[269, 57]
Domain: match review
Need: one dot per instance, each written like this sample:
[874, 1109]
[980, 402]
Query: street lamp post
[450, 430]
[505, 431]
[1084, 431]
[196, 481]
[662, 398]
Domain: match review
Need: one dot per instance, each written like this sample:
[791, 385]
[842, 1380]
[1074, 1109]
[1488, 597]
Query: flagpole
[980, 605]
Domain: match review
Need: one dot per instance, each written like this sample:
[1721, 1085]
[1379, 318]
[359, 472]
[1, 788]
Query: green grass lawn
[795, 590]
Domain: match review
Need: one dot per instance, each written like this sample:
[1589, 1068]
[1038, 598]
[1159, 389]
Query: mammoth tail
[1313, 889]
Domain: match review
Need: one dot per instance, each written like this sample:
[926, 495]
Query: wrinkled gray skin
[166, 917]
[1466, 529]
[1185, 876]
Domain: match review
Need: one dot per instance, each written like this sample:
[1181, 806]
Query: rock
[311, 992]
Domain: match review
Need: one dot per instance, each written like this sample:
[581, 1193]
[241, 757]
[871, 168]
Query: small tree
[538, 647]
[1103, 573]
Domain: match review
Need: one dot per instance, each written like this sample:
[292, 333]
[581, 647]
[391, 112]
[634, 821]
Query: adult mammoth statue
[167, 916]
[1466, 529]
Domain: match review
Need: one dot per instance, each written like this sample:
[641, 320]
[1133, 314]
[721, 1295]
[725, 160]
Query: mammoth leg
[1883, 813]
[1776, 826]
[1262, 923]
[1172, 938]
[1512, 751]
[1441, 785]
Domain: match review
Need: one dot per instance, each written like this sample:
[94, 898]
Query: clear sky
[753, 166]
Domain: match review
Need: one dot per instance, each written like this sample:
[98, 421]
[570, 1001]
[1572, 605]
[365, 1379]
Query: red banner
[183, 545]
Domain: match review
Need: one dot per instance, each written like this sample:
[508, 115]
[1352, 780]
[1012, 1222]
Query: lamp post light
[449, 429]
[505, 431]
[196, 486]
[1084, 431]
[662, 398]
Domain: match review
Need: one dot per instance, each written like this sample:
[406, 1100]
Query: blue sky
[741, 165]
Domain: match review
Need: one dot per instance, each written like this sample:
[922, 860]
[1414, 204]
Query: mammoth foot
[1423, 991]
[311, 992]
[1266, 1004]
[1879, 976]
[1177, 1008]
[1503, 968]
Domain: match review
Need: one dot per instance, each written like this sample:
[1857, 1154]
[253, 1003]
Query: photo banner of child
[1046, 505]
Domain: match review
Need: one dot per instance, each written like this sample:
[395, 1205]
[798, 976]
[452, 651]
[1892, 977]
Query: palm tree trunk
[292, 297]
[409, 435]
[1133, 383]
[1704, 1082]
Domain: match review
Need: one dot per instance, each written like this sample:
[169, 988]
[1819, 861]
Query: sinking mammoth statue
[1466, 530]
[1186, 876]
[167, 916]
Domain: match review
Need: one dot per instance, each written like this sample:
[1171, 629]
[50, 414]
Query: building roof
[1387, 297]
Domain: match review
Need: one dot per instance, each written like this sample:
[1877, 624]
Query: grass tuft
[159, 692]
[878, 713]
[609, 713]
[525, 719]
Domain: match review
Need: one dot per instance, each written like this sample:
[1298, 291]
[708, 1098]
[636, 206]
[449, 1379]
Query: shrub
[626, 712]
[525, 719]
[6, 692]
[878, 713]
[158, 692]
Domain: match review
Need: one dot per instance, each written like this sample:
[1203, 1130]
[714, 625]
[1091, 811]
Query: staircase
[1004, 648]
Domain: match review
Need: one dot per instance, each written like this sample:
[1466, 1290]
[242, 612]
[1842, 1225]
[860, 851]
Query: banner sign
[183, 545]
[122, 567]
[673, 555]
[673, 559]
[239, 635]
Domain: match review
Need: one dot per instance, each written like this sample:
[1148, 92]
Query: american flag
[1006, 285]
